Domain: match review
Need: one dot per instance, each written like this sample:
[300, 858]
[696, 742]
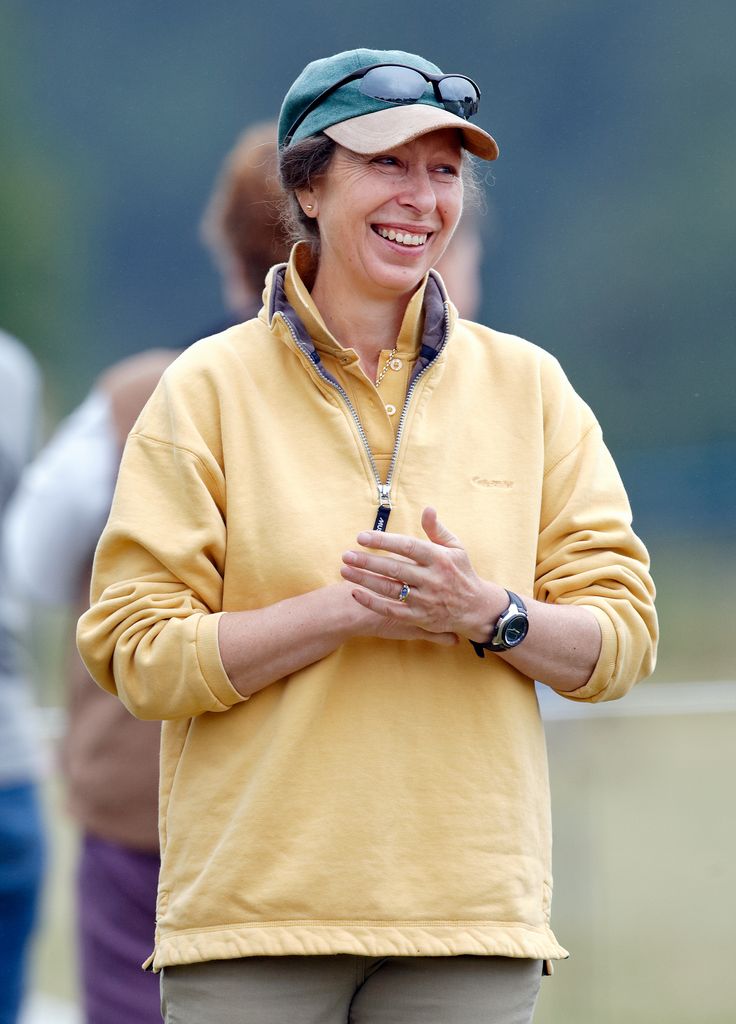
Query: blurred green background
[609, 239]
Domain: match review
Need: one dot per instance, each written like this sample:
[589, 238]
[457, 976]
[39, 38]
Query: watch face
[515, 630]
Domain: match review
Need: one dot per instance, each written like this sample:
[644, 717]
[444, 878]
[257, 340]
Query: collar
[300, 274]
[424, 330]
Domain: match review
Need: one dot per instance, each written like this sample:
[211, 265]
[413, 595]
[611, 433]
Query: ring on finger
[404, 592]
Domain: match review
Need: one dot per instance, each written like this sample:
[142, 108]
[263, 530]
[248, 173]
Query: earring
[310, 206]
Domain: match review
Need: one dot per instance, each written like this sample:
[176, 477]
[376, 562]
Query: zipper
[409, 393]
[383, 489]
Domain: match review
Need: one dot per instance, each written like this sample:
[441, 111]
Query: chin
[399, 280]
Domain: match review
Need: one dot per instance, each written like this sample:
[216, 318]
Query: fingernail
[350, 557]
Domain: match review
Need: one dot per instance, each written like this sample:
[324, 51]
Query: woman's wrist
[260, 646]
[484, 612]
[349, 619]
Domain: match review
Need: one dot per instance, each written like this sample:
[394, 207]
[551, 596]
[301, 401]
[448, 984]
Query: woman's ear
[307, 201]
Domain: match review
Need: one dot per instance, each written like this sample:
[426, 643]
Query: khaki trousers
[352, 990]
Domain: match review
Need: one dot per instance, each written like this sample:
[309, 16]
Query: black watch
[509, 631]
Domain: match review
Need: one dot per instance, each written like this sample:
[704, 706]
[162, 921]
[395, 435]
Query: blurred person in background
[243, 224]
[109, 758]
[21, 830]
[354, 801]
[461, 263]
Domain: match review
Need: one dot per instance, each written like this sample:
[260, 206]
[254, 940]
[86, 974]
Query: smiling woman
[383, 221]
[354, 796]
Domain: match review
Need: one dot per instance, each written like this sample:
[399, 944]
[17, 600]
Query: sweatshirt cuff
[210, 662]
[603, 673]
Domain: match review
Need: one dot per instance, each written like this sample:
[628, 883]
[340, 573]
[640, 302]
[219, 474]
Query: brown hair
[299, 165]
[243, 223]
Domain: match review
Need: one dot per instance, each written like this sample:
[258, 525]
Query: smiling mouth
[402, 237]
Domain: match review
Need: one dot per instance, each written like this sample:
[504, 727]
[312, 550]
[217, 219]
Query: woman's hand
[445, 593]
[262, 645]
[387, 626]
[447, 597]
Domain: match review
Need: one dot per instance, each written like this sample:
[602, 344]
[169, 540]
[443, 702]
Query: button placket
[394, 388]
[378, 408]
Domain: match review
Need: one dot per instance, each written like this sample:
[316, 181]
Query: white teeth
[401, 237]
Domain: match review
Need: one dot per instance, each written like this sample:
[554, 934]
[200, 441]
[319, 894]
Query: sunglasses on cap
[399, 83]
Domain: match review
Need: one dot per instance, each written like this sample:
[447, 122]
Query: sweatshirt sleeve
[588, 553]
[150, 635]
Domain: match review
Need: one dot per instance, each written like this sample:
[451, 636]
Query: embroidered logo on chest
[486, 483]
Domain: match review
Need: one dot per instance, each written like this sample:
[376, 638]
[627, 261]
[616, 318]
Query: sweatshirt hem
[313, 939]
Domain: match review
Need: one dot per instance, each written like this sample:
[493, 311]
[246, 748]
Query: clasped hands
[446, 598]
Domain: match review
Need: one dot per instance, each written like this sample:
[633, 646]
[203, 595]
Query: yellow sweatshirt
[392, 798]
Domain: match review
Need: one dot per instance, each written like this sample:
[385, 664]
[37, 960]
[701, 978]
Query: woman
[354, 800]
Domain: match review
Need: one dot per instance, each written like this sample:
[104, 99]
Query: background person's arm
[63, 498]
[60, 506]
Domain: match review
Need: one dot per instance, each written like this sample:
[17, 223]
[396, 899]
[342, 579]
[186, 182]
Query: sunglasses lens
[394, 84]
[459, 96]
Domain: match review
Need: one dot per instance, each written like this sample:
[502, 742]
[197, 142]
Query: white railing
[647, 699]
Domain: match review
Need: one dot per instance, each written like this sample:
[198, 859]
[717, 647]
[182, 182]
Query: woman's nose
[419, 192]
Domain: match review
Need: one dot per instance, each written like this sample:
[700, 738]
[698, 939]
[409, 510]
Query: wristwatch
[509, 631]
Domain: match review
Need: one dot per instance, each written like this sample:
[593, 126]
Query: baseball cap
[367, 124]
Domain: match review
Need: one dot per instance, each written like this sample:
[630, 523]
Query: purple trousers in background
[117, 909]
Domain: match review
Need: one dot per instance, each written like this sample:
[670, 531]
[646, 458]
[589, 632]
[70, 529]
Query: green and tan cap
[362, 123]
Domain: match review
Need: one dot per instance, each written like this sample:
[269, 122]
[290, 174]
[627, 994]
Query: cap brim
[384, 129]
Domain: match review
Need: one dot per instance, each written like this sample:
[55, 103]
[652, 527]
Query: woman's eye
[447, 169]
[386, 161]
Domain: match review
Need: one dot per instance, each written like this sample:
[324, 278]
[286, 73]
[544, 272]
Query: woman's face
[385, 220]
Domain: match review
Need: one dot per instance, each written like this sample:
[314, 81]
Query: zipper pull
[384, 508]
